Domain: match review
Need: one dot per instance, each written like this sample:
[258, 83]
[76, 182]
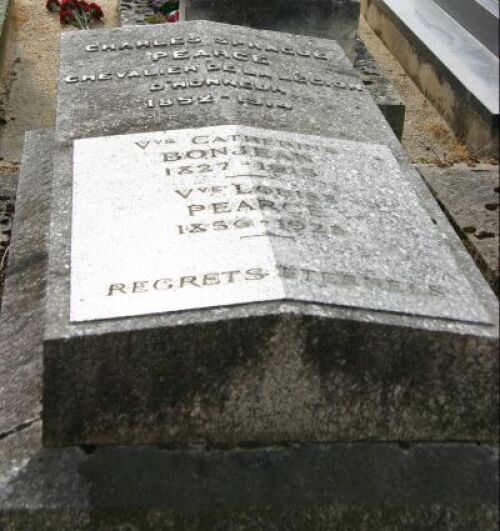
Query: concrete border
[468, 114]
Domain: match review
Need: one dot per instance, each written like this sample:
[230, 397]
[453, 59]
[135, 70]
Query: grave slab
[320, 20]
[201, 73]
[367, 352]
[327, 19]
[342, 485]
[470, 198]
[269, 216]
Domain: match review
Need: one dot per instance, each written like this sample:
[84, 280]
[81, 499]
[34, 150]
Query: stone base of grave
[327, 19]
[360, 486]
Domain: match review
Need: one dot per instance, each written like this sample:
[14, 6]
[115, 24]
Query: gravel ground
[29, 80]
[28, 83]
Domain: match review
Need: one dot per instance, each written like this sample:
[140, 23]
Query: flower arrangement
[79, 13]
[169, 9]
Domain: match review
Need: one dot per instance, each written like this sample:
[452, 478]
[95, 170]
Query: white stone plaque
[197, 218]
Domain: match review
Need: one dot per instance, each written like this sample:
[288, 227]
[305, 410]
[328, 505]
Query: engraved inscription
[230, 215]
[184, 70]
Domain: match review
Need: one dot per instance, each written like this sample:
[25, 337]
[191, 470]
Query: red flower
[53, 5]
[83, 6]
[96, 11]
[68, 5]
[77, 12]
[173, 17]
[66, 16]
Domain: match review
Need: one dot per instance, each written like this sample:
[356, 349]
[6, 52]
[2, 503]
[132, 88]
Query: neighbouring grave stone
[284, 273]
[135, 12]
[23, 317]
[445, 57]
[470, 196]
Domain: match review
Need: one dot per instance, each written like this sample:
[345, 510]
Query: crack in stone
[18, 428]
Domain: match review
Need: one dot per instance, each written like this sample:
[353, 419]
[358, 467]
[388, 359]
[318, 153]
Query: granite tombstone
[261, 267]
[332, 19]
[201, 73]
[241, 252]
[328, 19]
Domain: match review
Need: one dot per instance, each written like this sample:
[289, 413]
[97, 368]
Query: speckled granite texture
[261, 373]
[471, 199]
[322, 21]
[22, 317]
[361, 486]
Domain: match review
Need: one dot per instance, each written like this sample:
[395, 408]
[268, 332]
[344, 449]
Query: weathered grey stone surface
[320, 487]
[361, 486]
[8, 185]
[380, 88]
[22, 317]
[327, 19]
[470, 198]
[264, 372]
[290, 92]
